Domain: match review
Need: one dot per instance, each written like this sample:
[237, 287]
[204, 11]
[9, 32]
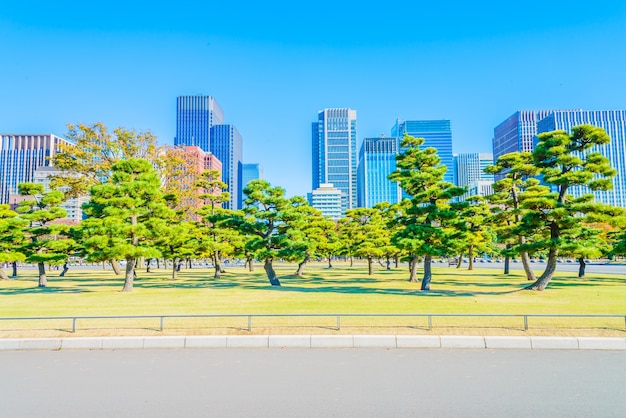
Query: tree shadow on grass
[41, 290]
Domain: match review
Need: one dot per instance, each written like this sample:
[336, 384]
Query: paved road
[313, 383]
[570, 267]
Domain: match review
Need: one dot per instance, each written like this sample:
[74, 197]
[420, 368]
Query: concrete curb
[315, 341]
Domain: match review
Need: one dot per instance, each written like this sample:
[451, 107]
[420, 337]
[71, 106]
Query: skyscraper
[226, 145]
[377, 159]
[470, 173]
[21, 155]
[250, 172]
[614, 123]
[436, 133]
[334, 152]
[195, 115]
[516, 133]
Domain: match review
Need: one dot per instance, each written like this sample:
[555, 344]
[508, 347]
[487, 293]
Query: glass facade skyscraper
[436, 133]
[614, 123]
[516, 133]
[470, 172]
[335, 154]
[377, 159]
[21, 155]
[226, 145]
[250, 172]
[195, 115]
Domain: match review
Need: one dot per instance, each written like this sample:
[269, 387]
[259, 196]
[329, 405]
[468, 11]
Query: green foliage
[420, 174]
[127, 215]
[367, 232]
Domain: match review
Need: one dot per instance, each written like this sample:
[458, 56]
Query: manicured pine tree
[315, 229]
[565, 161]
[127, 215]
[272, 224]
[420, 174]
[47, 242]
[367, 227]
[12, 237]
[520, 171]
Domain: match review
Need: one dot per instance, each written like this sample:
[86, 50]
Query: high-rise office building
[377, 160]
[335, 154]
[195, 115]
[73, 206]
[328, 200]
[250, 172]
[21, 155]
[226, 145]
[436, 133]
[614, 123]
[471, 167]
[516, 133]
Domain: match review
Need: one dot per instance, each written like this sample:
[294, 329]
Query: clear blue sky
[272, 65]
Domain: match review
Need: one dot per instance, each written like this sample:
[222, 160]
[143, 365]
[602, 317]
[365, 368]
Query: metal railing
[338, 317]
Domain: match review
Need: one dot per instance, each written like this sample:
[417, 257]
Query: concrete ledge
[374, 341]
[82, 343]
[122, 342]
[595, 343]
[208, 341]
[332, 341]
[554, 343]
[9, 344]
[289, 341]
[40, 344]
[508, 342]
[461, 341]
[247, 341]
[418, 341]
[164, 342]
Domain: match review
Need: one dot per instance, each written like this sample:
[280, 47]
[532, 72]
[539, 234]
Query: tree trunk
[330, 263]
[129, 276]
[459, 261]
[507, 261]
[470, 257]
[158, 261]
[581, 267]
[413, 269]
[428, 274]
[116, 267]
[175, 268]
[3, 274]
[370, 265]
[271, 274]
[388, 263]
[14, 265]
[530, 274]
[65, 270]
[43, 280]
[250, 261]
[351, 261]
[541, 283]
[301, 265]
[104, 265]
[148, 263]
[397, 260]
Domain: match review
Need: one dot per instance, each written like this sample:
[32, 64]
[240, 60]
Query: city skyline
[472, 64]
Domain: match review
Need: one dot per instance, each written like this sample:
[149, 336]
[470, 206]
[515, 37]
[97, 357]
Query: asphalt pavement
[373, 382]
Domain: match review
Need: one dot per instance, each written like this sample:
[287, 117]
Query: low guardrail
[338, 317]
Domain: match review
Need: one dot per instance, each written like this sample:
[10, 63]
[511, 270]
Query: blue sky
[272, 65]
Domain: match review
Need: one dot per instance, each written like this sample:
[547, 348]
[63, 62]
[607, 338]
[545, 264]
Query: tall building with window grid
[470, 171]
[377, 160]
[195, 115]
[334, 152]
[21, 155]
[614, 123]
[226, 145]
[436, 133]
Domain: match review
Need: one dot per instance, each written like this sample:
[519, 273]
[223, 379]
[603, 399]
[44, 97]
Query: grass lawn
[339, 290]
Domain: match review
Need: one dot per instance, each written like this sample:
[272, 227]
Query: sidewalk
[316, 341]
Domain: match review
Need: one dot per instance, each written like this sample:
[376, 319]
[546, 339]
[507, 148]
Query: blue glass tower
[226, 145]
[436, 133]
[614, 123]
[195, 115]
[250, 172]
[334, 152]
[377, 159]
